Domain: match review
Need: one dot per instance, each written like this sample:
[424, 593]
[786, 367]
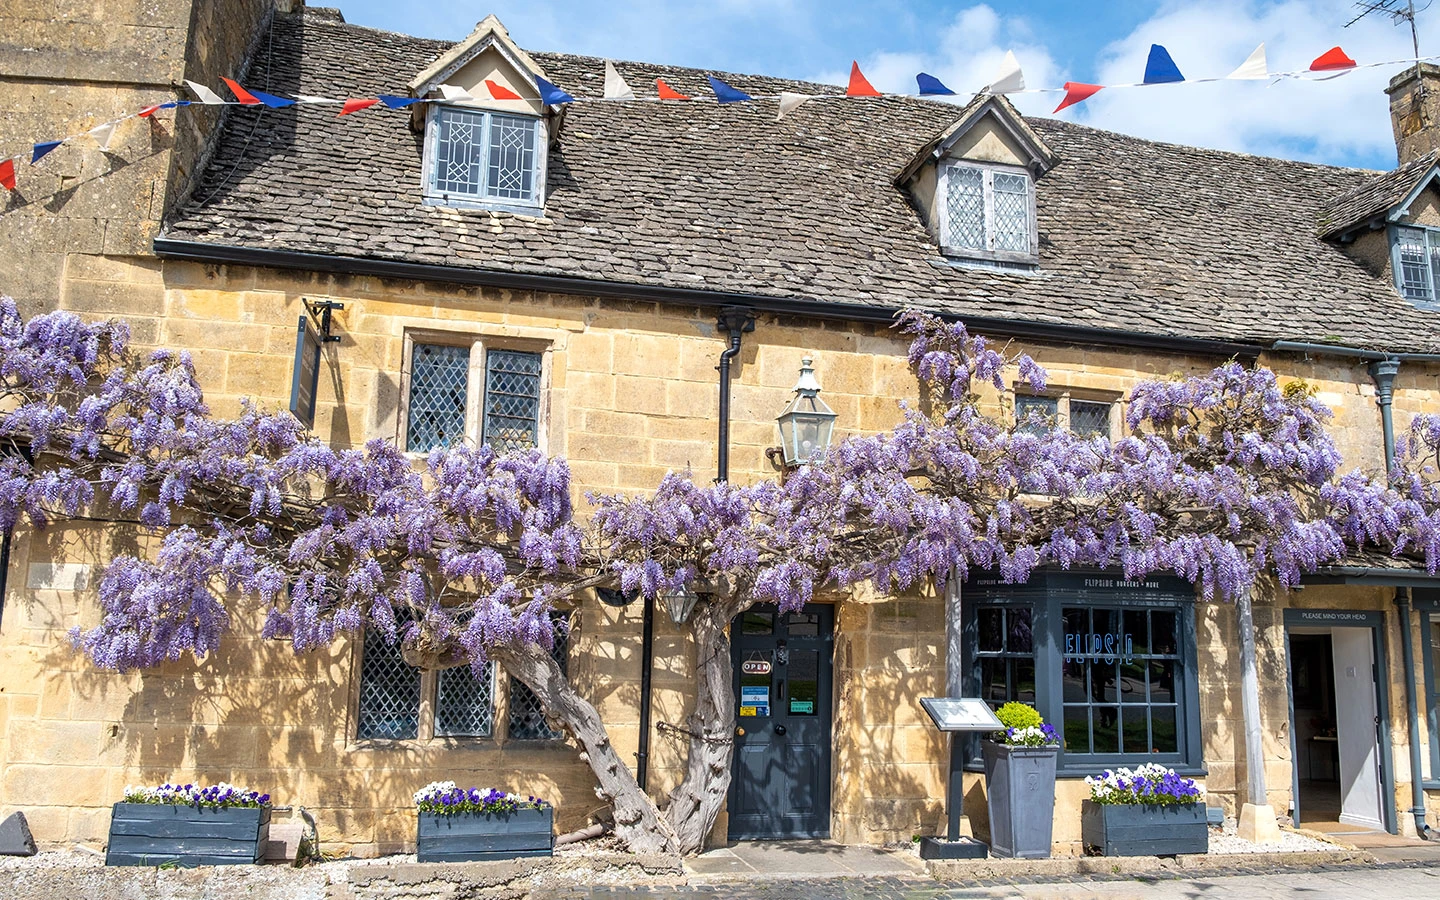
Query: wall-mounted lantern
[806, 424]
[680, 604]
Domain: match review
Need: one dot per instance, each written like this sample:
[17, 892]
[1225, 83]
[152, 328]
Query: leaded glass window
[512, 400]
[389, 692]
[1089, 419]
[480, 155]
[987, 211]
[527, 716]
[464, 702]
[435, 412]
[1036, 415]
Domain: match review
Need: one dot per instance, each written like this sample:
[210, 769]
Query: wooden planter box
[471, 836]
[152, 834]
[1139, 830]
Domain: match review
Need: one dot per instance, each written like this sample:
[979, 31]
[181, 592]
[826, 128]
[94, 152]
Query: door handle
[780, 729]
[739, 732]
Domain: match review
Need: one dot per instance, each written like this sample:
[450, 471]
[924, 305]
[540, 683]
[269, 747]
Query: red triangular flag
[356, 104]
[667, 92]
[501, 93]
[148, 111]
[859, 87]
[1332, 59]
[1075, 92]
[240, 93]
[7, 174]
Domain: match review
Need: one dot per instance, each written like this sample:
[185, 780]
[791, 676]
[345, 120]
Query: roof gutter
[1352, 352]
[1374, 576]
[227, 254]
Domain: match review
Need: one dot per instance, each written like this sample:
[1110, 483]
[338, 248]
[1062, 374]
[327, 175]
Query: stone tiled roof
[1134, 235]
[1374, 197]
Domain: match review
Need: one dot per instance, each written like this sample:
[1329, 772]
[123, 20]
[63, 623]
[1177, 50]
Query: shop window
[1432, 688]
[1111, 663]
[460, 390]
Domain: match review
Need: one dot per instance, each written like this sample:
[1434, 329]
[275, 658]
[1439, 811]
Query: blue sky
[1343, 121]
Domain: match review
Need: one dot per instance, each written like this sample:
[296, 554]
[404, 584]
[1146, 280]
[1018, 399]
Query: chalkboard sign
[306, 377]
[961, 714]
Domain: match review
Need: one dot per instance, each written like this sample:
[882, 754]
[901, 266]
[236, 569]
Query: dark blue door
[781, 782]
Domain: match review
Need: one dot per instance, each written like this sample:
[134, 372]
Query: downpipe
[735, 321]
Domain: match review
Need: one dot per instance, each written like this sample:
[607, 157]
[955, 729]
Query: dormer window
[1415, 255]
[482, 158]
[986, 212]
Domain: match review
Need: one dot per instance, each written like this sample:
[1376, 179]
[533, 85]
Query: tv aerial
[1400, 11]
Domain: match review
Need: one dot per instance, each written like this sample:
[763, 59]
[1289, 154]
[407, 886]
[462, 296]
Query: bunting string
[1160, 69]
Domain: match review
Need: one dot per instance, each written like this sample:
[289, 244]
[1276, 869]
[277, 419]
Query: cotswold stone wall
[631, 393]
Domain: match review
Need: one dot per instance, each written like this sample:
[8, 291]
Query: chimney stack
[1415, 111]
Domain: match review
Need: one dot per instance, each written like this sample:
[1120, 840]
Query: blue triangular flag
[725, 93]
[930, 85]
[41, 149]
[551, 95]
[1160, 68]
[398, 102]
[271, 100]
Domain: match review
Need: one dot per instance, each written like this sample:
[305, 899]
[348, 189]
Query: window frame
[1429, 610]
[475, 383]
[1047, 594]
[988, 172]
[1064, 397]
[433, 196]
[1431, 238]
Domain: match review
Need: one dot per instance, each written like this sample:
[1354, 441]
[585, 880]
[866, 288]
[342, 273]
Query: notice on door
[755, 700]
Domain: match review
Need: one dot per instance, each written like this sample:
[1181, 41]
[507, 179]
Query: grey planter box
[152, 834]
[1140, 830]
[1020, 790]
[470, 836]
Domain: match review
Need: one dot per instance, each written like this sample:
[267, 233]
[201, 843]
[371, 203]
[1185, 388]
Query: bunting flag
[551, 95]
[309, 98]
[453, 94]
[38, 152]
[245, 97]
[1160, 68]
[788, 102]
[724, 93]
[393, 102]
[500, 92]
[356, 104]
[101, 134]
[930, 86]
[1009, 79]
[1332, 59]
[666, 92]
[858, 86]
[1076, 92]
[207, 96]
[7, 174]
[271, 100]
[615, 86]
[1254, 66]
[148, 111]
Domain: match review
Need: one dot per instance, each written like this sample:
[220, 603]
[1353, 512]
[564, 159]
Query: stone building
[507, 270]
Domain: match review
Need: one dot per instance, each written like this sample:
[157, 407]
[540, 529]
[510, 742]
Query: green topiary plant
[1018, 715]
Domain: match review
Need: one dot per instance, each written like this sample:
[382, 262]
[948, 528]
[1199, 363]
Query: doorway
[780, 786]
[1339, 731]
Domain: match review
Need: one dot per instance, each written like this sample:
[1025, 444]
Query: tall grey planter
[1020, 789]
[471, 836]
[152, 834]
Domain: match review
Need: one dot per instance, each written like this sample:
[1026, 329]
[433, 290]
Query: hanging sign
[754, 701]
[305, 377]
[755, 667]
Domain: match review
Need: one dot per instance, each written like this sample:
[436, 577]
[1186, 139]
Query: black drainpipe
[1383, 372]
[647, 655]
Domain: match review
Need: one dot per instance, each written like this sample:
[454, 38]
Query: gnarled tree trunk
[637, 821]
[696, 802]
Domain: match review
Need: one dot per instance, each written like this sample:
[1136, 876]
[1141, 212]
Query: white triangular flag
[788, 102]
[1009, 78]
[102, 134]
[615, 86]
[307, 98]
[454, 94]
[207, 96]
[1253, 67]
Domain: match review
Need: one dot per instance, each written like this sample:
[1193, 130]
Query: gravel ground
[1226, 841]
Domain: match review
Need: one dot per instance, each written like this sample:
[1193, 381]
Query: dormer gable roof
[1012, 129]
[1384, 198]
[458, 67]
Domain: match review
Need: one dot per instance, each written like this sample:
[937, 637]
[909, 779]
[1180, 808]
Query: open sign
[755, 667]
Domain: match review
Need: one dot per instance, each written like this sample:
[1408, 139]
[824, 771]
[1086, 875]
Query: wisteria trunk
[696, 802]
[637, 820]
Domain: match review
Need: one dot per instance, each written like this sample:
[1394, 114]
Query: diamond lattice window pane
[1089, 419]
[464, 702]
[389, 692]
[965, 207]
[511, 171]
[1036, 414]
[512, 400]
[527, 716]
[436, 409]
[459, 151]
[1414, 266]
[1012, 212]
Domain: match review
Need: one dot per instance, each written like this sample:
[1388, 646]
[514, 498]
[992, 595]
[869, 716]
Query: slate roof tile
[1135, 235]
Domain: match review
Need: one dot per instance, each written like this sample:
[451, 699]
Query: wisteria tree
[1222, 478]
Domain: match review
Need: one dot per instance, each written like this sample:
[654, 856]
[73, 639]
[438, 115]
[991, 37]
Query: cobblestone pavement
[1401, 882]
